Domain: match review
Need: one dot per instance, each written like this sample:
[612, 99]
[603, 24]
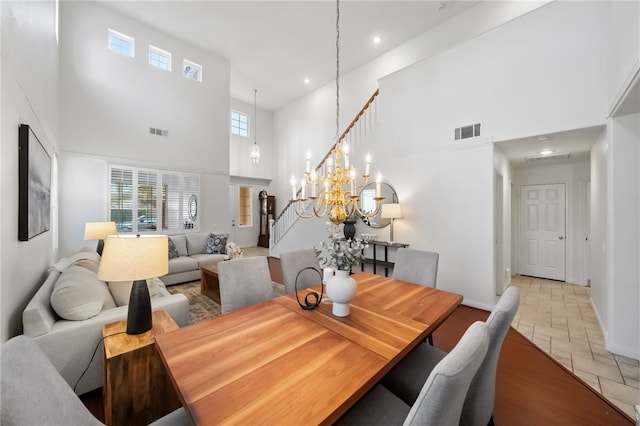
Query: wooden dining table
[275, 363]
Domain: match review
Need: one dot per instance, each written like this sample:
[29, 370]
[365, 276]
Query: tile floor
[558, 318]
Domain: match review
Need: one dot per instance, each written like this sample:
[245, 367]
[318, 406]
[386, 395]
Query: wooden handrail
[344, 134]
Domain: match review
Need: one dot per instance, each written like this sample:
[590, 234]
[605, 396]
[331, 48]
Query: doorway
[543, 231]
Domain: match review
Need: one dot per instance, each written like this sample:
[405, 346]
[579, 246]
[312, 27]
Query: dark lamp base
[139, 314]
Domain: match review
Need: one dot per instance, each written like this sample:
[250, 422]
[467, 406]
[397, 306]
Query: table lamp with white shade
[135, 258]
[391, 211]
[99, 231]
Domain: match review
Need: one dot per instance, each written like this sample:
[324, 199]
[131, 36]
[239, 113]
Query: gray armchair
[34, 393]
[441, 397]
[244, 282]
[416, 266]
[295, 261]
[406, 379]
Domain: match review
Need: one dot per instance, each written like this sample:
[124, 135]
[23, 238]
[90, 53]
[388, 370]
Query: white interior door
[542, 230]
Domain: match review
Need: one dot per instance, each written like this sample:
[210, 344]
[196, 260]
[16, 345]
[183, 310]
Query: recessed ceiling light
[377, 39]
[307, 81]
[546, 152]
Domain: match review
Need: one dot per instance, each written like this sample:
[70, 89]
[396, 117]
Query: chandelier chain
[337, 69]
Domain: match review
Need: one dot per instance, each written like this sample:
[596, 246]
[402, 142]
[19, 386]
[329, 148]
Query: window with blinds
[148, 200]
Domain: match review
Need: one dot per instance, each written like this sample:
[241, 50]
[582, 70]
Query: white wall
[623, 59]
[623, 285]
[599, 218]
[504, 168]
[240, 163]
[309, 123]
[29, 96]
[575, 177]
[108, 103]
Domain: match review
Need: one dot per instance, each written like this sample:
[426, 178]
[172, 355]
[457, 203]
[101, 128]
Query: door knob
[561, 237]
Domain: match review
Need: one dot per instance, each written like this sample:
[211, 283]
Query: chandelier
[338, 198]
[255, 149]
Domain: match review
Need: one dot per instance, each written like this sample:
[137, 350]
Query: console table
[384, 262]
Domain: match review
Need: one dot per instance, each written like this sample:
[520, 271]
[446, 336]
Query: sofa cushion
[78, 294]
[120, 290]
[180, 241]
[84, 253]
[209, 259]
[182, 264]
[196, 242]
[173, 251]
[216, 244]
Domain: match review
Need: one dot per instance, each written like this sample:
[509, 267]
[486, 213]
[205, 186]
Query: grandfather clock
[267, 212]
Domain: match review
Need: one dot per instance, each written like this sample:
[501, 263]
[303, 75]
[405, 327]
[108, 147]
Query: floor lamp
[391, 211]
[135, 258]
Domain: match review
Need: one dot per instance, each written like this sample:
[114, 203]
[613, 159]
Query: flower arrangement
[234, 250]
[339, 253]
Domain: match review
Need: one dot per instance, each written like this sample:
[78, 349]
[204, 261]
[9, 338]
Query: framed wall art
[34, 180]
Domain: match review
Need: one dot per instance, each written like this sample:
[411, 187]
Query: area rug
[200, 306]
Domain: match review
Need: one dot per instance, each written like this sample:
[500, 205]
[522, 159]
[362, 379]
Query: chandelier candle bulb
[329, 165]
[353, 181]
[308, 162]
[378, 186]
[367, 165]
[304, 186]
[346, 157]
[293, 188]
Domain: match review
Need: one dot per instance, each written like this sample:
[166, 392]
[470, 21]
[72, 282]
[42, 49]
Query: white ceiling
[272, 46]
[577, 143]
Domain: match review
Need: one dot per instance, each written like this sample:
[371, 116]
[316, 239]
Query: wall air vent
[465, 132]
[556, 156]
[158, 132]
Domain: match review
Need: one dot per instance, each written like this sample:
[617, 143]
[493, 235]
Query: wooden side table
[137, 388]
[209, 282]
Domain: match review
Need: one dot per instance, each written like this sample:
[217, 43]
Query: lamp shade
[99, 230]
[391, 211]
[130, 257]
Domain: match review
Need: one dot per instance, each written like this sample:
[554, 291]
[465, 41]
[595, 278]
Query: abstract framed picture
[34, 180]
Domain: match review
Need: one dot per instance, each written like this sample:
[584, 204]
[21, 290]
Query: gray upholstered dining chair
[244, 282]
[441, 397]
[405, 380]
[416, 266]
[295, 261]
[34, 392]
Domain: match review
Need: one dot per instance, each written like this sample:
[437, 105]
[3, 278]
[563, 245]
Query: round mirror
[193, 207]
[368, 204]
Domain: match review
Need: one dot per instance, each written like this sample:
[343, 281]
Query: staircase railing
[355, 133]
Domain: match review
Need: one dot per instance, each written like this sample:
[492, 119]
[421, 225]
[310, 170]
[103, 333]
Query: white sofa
[71, 343]
[191, 257]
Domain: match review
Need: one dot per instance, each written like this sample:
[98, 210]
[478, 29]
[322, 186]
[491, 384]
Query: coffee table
[209, 283]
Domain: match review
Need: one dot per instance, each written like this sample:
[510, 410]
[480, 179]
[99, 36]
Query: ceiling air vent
[465, 132]
[558, 156]
[158, 132]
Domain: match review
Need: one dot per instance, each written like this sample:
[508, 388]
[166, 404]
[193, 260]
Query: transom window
[239, 124]
[192, 71]
[121, 43]
[159, 58]
[148, 200]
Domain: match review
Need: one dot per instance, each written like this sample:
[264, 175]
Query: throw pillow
[78, 294]
[216, 244]
[173, 251]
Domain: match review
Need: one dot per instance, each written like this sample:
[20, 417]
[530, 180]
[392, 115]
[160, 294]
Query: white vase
[340, 289]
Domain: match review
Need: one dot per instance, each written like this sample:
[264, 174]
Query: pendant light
[255, 149]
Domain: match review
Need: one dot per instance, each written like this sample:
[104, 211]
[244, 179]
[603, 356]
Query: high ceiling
[272, 46]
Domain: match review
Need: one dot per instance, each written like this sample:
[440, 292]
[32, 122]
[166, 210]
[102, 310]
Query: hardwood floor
[531, 387]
